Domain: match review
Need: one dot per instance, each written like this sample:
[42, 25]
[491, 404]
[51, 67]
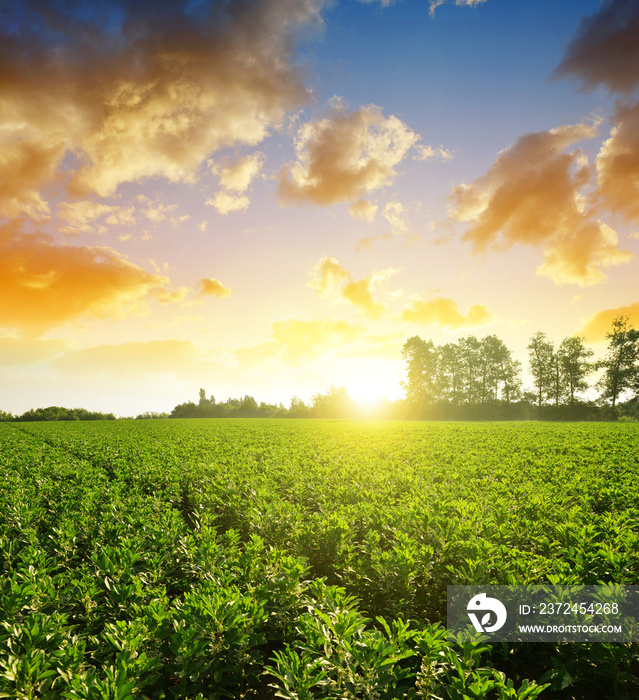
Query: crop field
[240, 558]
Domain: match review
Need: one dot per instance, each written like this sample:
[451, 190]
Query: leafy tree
[449, 384]
[510, 373]
[574, 360]
[185, 410]
[557, 389]
[493, 357]
[470, 351]
[298, 408]
[422, 361]
[621, 371]
[248, 406]
[336, 403]
[59, 413]
[541, 354]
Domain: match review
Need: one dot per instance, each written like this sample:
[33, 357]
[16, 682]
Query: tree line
[476, 378]
[335, 403]
[56, 413]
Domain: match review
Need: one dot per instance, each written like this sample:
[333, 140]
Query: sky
[269, 197]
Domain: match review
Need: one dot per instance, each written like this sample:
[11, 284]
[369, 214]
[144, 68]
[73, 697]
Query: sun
[366, 391]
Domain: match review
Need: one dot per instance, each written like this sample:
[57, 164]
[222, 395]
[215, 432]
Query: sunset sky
[271, 196]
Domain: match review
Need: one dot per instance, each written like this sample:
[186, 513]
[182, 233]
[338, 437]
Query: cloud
[618, 164]
[27, 161]
[605, 49]
[434, 4]
[44, 284]
[445, 313]
[367, 243]
[155, 211]
[534, 195]
[328, 276]
[93, 96]
[238, 177]
[428, 152]
[383, 3]
[213, 287]
[363, 209]
[224, 202]
[83, 216]
[395, 214]
[345, 156]
[360, 295]
[332, 280]
[599, 324]
[303, 340]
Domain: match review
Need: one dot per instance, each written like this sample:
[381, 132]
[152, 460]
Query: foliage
[255, 559]
[621, 364]
[58, 413]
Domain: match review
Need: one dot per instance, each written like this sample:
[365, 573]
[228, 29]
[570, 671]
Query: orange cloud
[345, 156]
[27, 161]
[44, 284]
[359, 294]
[155, 95]
[618, 164]
[605, 50]
[445, 313]
[532, 195]
[599, 324]
[213, 287]
[332, 280]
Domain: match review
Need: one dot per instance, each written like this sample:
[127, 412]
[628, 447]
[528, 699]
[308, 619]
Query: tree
[336, 403]
[449, 376]
[575, 366]
[510, 373]
[556, 385]
[493, 357]
[470, 351]
[541, 353]
[620, 364]
[422, 360]
[248, 406]
[298, 408]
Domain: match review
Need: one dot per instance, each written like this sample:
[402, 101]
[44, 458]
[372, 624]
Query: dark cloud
[99, 94]
[605, 49]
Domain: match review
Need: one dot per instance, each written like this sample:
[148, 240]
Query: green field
[303, 559]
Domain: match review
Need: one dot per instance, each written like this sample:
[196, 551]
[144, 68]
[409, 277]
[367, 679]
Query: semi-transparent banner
[545, 613]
